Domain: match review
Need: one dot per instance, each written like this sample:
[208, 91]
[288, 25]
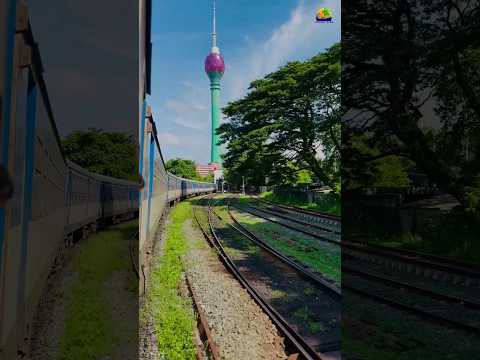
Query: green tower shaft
[215, 102]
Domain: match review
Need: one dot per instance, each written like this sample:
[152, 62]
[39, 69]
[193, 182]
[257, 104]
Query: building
[205, 170]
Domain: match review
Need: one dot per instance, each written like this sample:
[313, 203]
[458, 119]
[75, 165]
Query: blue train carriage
[84, 203]
[95, 201]
[53, 198]
[119, 199]
[33, 221]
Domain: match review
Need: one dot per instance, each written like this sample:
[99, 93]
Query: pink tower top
[214, 63]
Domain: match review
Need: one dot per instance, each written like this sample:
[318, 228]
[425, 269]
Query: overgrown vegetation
[325, 259]
[172, 314]
[288, 122]
[435, 237]
[442, 74]
[90, 332]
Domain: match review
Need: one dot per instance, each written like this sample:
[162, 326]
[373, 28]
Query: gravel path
[124, 311]
[239, 326]
[49, 321]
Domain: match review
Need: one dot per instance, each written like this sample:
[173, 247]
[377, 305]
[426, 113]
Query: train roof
[102, 178]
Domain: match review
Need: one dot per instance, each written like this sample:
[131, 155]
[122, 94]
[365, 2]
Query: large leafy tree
[411, 65]
[106, 153]
[185, 169]
[288, 122]
[182, 168]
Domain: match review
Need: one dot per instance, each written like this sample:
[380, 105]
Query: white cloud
[191, 114]
[184, 108]
[299, 36]
[191, 124]
[167, 138]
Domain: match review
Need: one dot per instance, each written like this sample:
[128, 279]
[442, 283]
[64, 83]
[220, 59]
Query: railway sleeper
[419, 271]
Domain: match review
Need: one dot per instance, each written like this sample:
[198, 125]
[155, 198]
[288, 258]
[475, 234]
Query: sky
[90, 61]
[255, 38]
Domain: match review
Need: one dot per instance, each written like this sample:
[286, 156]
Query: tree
[288, 122]
[403, 54]
[106, 153]
[374, 168]
[186, 169]
[182, 168]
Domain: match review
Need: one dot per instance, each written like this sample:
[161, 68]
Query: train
[55, 201]
[162, 189]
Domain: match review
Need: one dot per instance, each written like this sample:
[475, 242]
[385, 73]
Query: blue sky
[255, 38]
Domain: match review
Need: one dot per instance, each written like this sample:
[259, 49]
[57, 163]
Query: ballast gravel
[239, 327]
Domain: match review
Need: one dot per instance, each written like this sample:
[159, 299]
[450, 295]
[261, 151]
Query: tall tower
[215, 67]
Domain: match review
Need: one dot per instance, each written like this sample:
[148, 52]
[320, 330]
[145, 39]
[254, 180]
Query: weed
[316, 327]
[172, 314]
[90, 332]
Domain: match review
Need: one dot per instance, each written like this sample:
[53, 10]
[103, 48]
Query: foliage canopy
[106, 153]
[418, 71]
[185, 169]
[288, 122]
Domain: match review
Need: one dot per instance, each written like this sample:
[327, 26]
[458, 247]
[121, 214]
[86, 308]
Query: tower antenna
[215, 49]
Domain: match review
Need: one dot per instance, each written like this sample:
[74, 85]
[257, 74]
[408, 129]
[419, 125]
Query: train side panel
[49, 212]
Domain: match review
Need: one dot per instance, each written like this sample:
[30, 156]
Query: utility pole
[243, 184]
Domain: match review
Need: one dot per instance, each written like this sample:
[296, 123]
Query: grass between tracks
[325, 259]
[377, 332]
[91, 329]
[328, 203]
[173, 316]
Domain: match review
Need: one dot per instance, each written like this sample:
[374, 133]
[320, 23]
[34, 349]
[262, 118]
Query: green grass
[376, 332]
[325, 260]
[173, 316]
[328, 204]
[304, 314]
[453, 234]
[90, 332]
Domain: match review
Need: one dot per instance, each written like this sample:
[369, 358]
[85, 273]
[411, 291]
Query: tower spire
[215, 49]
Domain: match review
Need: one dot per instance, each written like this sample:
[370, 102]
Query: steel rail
[304, 223]
[385, 280]
[304, 211]
[211, 347]
[419, 312]
[332, 289]
[315, 235]
[297, 343]
[408, 256]
[403, 285]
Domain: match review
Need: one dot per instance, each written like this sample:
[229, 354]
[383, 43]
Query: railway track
[318, 214]
[430, 302]
[320, 222]
[278, 276]
[435, 266]
[296, 343]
